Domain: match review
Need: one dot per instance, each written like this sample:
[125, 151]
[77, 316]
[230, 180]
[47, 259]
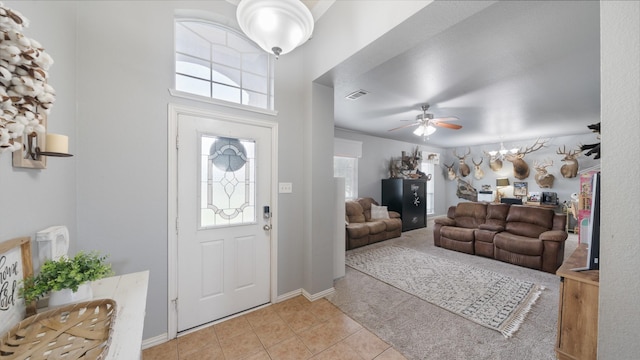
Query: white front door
[224, 187]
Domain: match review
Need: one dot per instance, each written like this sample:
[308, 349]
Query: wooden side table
[577, 337]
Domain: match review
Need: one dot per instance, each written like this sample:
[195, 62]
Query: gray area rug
[488, 298]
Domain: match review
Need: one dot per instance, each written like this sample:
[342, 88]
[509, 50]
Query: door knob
[267, 227]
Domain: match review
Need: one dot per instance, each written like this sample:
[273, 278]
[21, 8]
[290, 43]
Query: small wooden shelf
[577, 337]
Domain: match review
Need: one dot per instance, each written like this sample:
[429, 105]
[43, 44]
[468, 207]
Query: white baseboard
[156, 340]
[289, 295]
[319, 295]
[303, 292]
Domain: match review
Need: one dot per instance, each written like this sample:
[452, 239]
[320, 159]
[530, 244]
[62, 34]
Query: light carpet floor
[420, 330]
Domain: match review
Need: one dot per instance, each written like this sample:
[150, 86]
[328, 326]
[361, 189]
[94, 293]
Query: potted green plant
[67, 279]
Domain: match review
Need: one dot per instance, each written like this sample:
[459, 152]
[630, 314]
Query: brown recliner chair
[533, 237]
[456, 231]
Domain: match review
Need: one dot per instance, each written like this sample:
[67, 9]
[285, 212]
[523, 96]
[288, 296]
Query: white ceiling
[508, 70]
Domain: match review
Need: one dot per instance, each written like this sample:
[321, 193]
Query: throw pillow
[379, 212]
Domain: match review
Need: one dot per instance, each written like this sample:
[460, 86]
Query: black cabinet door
[409, 198]
[414, 212]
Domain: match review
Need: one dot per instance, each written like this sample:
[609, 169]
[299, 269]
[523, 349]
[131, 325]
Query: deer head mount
[570, 168]
[495, 161]
[463, 168]
[451, 172]
[543, 178]
[520, 167]
[478, 173]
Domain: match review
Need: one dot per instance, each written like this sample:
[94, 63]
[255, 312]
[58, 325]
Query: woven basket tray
[76, 331]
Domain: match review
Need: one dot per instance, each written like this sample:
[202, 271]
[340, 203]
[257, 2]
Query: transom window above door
[219, 63]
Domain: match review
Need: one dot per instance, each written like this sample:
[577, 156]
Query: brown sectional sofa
[362, 230]
[523, 235]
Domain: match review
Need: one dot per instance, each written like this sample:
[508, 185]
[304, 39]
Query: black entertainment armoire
[409, 198]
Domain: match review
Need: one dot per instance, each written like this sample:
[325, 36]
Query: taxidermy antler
[451, 173]
[466, 191]
[495, 163]
[543, 178]
[570, 169]
[478, 173]
[594, 149]
[463, 168]
[520, 167]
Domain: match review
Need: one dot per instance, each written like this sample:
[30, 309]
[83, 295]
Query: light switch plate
[285, 188]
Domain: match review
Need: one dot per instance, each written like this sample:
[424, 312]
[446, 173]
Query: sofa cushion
[357, 230]
[392, 224]
[456, 233]
[518, 244]
[497, 214]
[379, 212]
[469, 214]
[529, 221]
[366, 206]
[376, 227]
[354, 212]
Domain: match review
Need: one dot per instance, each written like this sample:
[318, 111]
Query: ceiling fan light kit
[424, 130]
[426, 123]
[277, 26]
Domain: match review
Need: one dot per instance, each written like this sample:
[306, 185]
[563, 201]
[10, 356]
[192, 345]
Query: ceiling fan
[426, 123]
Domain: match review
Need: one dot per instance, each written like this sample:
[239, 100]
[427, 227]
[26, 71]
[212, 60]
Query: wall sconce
[277, 26]
[55, 145]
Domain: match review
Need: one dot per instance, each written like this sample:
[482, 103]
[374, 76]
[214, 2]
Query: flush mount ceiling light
[277, 26]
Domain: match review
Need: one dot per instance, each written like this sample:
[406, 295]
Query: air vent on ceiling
[357, 94]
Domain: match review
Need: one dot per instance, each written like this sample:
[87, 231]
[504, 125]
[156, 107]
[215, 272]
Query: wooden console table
[577, 337]
[130, 293]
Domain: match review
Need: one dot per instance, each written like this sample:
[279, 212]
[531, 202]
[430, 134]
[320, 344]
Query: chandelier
[277, 26]
[502, 152]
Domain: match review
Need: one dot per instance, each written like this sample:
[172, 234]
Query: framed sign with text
[15, 265]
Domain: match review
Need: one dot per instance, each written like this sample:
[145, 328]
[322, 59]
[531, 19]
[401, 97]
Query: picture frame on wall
[15, 266]
[520, 188]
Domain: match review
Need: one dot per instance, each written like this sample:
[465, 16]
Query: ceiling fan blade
[445, 125]
[448, 118]
[404, 126]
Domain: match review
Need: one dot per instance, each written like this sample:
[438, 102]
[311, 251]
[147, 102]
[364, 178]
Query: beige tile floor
[294, 329]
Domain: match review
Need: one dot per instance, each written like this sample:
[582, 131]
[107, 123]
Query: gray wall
[32, 199]
[619, 317]
[564, 187]
[373, 166]
[114, 66]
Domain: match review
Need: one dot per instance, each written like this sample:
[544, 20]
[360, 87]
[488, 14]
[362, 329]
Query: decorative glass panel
[227, 191]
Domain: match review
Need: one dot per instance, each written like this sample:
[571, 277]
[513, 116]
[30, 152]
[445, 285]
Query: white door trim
[172, 214]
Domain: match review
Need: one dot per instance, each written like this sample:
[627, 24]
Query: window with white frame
[429, 162]
[345, 165]
[217, 62]
[428, 169]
